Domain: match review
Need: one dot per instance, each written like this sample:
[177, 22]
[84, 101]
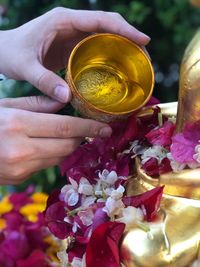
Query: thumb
[42, 104]
[48, 82]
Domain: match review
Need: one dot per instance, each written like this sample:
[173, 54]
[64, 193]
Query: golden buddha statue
[173, 240]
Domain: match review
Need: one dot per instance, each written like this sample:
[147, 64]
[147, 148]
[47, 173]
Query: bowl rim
[69, 78]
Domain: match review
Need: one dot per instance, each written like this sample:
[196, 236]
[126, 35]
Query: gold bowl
[110, 77]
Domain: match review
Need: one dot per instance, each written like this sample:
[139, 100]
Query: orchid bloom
[114, 204]
[107, 177]
[196, 156]
[86, 216]
[85, 187]
[70, 193]
[156, 151]
[130, 216]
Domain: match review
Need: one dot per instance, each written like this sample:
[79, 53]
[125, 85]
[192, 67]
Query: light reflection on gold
[110, 77]
[173, 240]
[189, 85]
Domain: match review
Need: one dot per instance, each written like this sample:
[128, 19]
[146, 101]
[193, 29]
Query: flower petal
[107, 237]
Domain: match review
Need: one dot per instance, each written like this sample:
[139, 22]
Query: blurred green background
[170, 24]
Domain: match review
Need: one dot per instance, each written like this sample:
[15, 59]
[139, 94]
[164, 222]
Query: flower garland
[93, 209]
[24, 239]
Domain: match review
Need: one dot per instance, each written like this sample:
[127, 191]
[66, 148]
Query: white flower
[87, 201]
[156, 151]
[131, 215]
[75, 227]
[176, 166]
[118, 193]
[135, 148]
[63, 257]
[86, 216]
[77, 262]
[113, 207]
[70, 193]
[197, 155]
[98, 190]
[85, 187]
[108, 177]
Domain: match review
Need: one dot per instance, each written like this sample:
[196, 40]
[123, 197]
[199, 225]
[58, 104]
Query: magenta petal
[150, 200]
[15, 246]
[19, 200]
[192, 131]
[151, 167]
[54, 218]
[107, 237]
[161, 136]
[182, 149]
[100, 217]
[36, 259]
[152, 101]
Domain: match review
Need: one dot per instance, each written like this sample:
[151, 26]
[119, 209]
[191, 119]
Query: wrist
[5, 40]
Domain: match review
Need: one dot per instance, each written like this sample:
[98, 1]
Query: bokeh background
[170, 24]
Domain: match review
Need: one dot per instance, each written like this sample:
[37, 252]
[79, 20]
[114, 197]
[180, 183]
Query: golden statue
[173, 240]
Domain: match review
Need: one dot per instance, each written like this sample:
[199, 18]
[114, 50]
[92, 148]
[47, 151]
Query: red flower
[103, 245]
[153, 169]
[150, 200]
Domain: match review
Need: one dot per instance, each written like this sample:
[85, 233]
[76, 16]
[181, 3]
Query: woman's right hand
[32, 139]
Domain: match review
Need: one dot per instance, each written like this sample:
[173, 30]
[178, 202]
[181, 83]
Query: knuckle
[12, 124]
[33, 101]
[116, 15]
[19, 174]
[57, 12]
[94, 130]
[14, 155]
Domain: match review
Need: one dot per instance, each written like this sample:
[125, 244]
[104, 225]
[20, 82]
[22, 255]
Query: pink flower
[161, 136]
[183, 144]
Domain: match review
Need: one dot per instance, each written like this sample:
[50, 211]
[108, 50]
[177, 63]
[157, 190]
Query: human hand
[31, 140]
[42, 46]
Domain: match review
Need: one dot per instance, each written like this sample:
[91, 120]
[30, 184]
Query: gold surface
[174, 238]
[167, 109]
[189, 88]
[110, 77]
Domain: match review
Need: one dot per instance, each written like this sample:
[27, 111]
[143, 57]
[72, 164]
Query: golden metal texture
[174, 238]
[110, 77]
[167, 109]
[189, 85]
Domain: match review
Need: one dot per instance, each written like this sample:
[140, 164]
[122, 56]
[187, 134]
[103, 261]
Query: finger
[21, 173]
[59, 126]
[32, 103]
[48, 82]
[53, 148]
[99, 21]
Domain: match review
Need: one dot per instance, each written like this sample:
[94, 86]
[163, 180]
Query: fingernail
[62, 93]
[146, 37]
[105, 132]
